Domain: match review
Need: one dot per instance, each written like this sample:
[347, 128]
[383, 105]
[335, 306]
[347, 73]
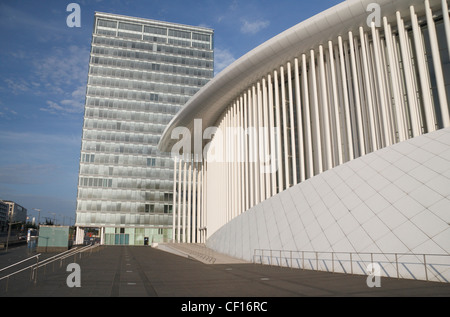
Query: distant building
[3, 215]
[16, 213]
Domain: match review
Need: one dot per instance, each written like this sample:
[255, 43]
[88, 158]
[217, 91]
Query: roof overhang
[212, 100]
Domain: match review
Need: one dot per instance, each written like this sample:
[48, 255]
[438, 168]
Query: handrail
[332, 258]
[196, 249]
[63, 256]
[8, 267]
[34, 267]
[57, 255]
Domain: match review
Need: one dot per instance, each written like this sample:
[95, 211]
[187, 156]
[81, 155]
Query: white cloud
[222, 59]
[6, 112]
[64, 66]
[73, 105]
[253, 27]
[64, 74]
[17, 86]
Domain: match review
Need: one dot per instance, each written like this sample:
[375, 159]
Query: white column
[236, 160]
[261, 176]
[301, 152]
[266, 152]
[251, 150]
[394, 78]
[318, 162]
[174, 197]
[179, 202]
[348, 124]
[292, 125]
[369, 93]
[325, 113]
[381, 86]
[228, 165]
[256, 145]
[246, 154]
[337, 120]
[194, 202]
[423, 73]
[410, 86]
[309, 164]
[189, 193]
[278, 128]
[273, 150]
[360, 136]
[199, 201]
[184, 201]
[202, 201]
[241, 157]
[205, 197]
[446, 24]
[437, 62]
[285, 133]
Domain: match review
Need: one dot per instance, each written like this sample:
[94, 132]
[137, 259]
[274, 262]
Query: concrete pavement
[149, 272]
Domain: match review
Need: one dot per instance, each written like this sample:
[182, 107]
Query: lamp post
[54, 219]
[39, 216]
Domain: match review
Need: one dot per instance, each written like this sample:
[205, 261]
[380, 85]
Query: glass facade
[141, 73]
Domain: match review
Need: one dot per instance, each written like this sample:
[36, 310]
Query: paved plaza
[149, 272]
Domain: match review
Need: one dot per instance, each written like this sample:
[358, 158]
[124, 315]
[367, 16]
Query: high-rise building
[141, 73]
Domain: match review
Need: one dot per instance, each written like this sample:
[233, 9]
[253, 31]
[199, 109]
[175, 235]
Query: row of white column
[189, 218]
[339, 101]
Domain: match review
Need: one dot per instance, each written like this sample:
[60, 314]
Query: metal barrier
[428, 267]
[195, 250]
[34, 268]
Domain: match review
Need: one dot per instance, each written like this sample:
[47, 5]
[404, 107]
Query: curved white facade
[355, 79]
[391, 202]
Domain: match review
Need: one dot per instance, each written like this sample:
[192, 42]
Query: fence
[428, 267]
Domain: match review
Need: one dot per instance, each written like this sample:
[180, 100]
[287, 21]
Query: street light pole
[39, 216]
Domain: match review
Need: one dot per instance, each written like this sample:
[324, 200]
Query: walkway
[149, 272]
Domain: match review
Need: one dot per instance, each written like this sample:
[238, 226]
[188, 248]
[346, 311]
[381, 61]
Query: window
[130, 27]
[201, 37]
[149, 208]
[168, 209]
[155, 30]
[108, 24]
[180, 34]
[151, 162]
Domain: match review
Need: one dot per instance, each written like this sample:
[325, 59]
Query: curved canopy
[211, 101]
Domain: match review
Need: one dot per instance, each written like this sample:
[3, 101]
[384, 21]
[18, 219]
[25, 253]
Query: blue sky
[43, 74]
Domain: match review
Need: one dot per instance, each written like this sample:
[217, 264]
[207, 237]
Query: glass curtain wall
[141, 73]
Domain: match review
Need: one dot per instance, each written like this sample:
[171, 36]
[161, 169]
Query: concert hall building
[327, 147]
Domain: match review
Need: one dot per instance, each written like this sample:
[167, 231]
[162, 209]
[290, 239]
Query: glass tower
[141, 73]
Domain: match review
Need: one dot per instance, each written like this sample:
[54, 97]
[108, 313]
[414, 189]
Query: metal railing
[428, 267]
[197, 251]
[74, 254]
